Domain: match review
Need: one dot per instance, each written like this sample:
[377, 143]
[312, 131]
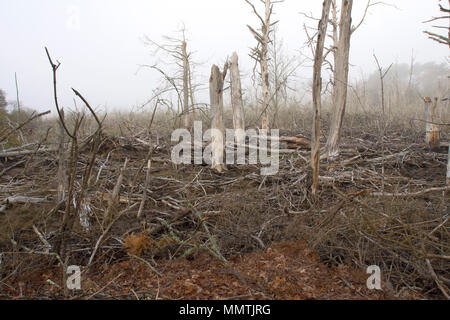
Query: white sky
[100, 56]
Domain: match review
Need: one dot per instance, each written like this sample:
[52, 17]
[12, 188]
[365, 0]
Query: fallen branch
[436, 279]
[102, 237]
[414, 194]
[24, 200]
[25, 153]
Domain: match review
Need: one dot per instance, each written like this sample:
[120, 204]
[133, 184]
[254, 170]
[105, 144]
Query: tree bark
[317, 88]
[217, 135]
[340, 78]
[236, 100]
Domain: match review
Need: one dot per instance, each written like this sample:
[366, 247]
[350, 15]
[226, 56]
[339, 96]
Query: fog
[99, 43]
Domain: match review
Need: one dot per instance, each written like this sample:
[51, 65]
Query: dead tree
[186, 108]
[431, 128]
[317, 90]
[17, 93]
[180, 81]
[74, 198]
[443, 39]
[260, 52]
[341, 36]
[281, 69]
[236, 100]
[341, 68]
[341, 33]
[382, 74]
[61, 161]
[216, 82]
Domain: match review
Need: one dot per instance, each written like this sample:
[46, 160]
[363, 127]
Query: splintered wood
[431, 128]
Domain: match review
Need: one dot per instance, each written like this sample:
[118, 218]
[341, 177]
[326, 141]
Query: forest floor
[236, 235]
[284, 271]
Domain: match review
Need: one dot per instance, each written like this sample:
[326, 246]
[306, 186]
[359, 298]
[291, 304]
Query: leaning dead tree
[441, 38]
[317, 90]
[216, 82]
[261, 51]
[236, 100]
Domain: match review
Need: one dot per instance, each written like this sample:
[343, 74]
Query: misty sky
[99, 42]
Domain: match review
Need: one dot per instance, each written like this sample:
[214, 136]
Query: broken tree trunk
[340, 78]
[317, 88]
[431, 129]
[217, 128]
[236, 100]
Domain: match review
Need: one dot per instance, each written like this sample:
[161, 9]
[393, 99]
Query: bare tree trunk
[186, 111]
[264, 66]
[432, 130]
[317, 88]
[217, 135]
[17, 93]
[340, 78]
[191, 95]
[61, 162]
[448, 167]
[260, 53]
[236, 100]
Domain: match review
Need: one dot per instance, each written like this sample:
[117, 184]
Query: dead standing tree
[236, 100]
[341, 68]
[261, 51]
[341, 33]
[177, 50]
[281, 68]
[216, 82]
[317, 90]
[431, 128]
[73, 196]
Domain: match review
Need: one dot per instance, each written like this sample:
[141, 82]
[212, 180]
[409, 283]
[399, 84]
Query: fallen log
[25, 152]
